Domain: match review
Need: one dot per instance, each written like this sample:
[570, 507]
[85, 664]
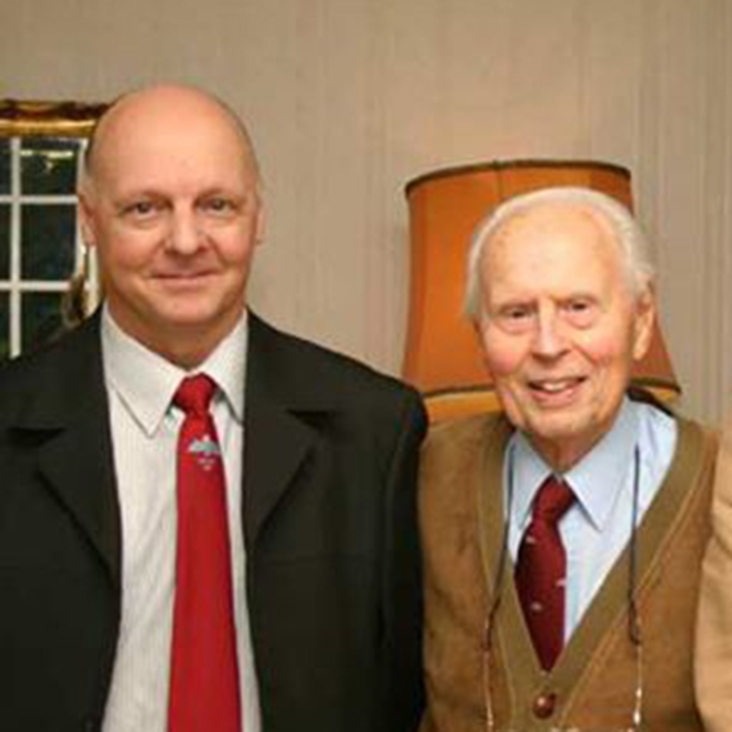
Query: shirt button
[544, 705]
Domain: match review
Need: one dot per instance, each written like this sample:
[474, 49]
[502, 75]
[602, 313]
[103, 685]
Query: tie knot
[552, 500]
[194, 394]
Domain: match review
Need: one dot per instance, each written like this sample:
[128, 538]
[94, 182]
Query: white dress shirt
[597, 526]
[144, 424]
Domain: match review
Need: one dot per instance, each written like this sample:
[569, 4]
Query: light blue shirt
[597, 526]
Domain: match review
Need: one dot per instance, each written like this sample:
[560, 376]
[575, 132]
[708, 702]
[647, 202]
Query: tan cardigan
[592, 686]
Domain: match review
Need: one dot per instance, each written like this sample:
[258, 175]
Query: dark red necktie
[541, 571]
[204, 678]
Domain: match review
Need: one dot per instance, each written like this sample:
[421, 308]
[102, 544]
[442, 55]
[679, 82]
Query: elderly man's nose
[550, 340]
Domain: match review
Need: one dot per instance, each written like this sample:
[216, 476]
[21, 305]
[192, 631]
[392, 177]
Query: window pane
[4, 325]
[48, 165]
[4, 166]
[47, 246]
[41, 318]
[4, 241]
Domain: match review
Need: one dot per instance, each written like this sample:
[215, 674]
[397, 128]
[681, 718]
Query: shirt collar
[146, 382]
[227, 367]
[595, 480]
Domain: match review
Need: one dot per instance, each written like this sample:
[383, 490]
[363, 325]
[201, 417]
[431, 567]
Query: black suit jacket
[328, 515]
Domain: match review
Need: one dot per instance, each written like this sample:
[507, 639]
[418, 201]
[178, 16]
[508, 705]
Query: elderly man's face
[561, 328]
[174, 214]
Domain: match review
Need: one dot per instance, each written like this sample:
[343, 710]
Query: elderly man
[562, 539]
[206, 525]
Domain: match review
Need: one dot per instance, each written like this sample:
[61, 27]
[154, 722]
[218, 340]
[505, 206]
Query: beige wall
[348, 99]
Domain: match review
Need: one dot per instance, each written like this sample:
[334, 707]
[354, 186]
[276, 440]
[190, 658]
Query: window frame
[19, 121]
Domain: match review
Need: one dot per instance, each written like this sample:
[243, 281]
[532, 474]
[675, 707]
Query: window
[40, 246]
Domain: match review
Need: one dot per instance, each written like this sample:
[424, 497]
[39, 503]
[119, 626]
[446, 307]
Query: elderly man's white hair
[630, 237]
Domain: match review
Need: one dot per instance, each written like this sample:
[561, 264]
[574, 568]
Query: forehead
[153, 144]
[554, 245]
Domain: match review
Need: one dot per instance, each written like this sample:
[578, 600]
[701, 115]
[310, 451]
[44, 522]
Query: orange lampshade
[443, 358]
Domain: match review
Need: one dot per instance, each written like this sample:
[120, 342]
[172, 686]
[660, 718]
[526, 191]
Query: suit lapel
[70, 428]
[277, 435]
[276, 445]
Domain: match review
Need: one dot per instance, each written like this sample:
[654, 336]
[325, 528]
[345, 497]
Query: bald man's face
[173, 211]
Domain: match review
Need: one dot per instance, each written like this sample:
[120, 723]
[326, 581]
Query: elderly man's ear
[645, 318]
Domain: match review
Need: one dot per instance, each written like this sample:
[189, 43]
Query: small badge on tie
[205, 450]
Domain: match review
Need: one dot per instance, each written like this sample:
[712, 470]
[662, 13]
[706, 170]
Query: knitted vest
[593, 684]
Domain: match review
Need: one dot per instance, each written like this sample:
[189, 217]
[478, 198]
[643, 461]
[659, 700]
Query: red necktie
[541, 571]
[204, 678]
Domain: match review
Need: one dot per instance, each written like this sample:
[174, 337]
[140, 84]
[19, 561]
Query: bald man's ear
[85, 214]
[645, 319]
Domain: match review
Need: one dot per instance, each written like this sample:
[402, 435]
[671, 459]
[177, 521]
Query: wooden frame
[49, 119]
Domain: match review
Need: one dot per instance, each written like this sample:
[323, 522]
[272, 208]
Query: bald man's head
[163, 102]
[170, 201]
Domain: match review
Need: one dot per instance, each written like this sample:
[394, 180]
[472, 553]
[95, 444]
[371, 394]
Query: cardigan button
[544, 705]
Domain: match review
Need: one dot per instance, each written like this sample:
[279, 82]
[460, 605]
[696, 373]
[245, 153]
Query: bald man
[205, 524]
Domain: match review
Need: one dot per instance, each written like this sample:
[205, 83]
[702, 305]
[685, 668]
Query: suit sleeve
[713, 657]
[402, 583]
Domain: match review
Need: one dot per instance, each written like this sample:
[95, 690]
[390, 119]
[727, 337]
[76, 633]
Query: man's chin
[194, 313]
[188, 322]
